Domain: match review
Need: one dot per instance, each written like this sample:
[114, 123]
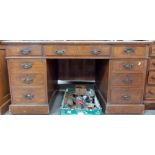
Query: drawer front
[126, 96]
[26, 65]
[130, 51]
[151, 78]
[94, 50]
[152, 64]
[27, 80]
[60, 50]
[28, 95]
[130, 80]
[150, 92]
[153, 50]
[123, 66]
[24, 50]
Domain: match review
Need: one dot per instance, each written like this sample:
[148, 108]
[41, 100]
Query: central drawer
[126, 96]
[60, 50]
[94, 50]
[130, 80]
[28, 95]
[127, 66]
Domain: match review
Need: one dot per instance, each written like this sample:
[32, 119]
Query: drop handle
[26, 66]
[153, 77]
[151, 93]
[129, 50]
[25, 51]
[60, 51]
[126, 97]
[29, 96]
[128, 66]
[27, 80]
[128, 80]
[95, 52]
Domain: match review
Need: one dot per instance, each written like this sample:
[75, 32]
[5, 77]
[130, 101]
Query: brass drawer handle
[25, 51]
[26, 66]
[150, 92]
[128, 80]
[128, 66]
[60, 51]
[29, 96]
[153, 77]
[95, 52]
[126, 97]
[129, 50]
[27, 80]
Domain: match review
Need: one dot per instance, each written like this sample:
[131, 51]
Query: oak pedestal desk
[123, 72]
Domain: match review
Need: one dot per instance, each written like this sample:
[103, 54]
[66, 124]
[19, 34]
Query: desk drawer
[28, 95]
[24, 50]
[130, 51]
[122, 66]
[26, 65]
[153, 50]
[130, 80]
[150, 92]
[126, 96]
[152, 64]
[27, 80]
[60, 50]
[151, 78]
[94, 50]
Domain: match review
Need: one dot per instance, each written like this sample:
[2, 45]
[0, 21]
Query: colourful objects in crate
[80, 100]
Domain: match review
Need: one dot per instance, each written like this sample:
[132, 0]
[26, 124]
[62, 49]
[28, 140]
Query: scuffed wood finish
[152, 53]
[19, 95]
[118, 68]
[4, 83]
[31, 87]
[130, 51]
[149, 96]
[150, 92]
[127, 79]
[152, 64]
[27, 79]
[125, 108]
[151, 77]
[128, 66]
[60, 50]
[77, 51]
[34, 65]
[126, 95]
[18, 50]
[94, 50]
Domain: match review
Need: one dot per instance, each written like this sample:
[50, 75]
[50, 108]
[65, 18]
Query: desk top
[77, 41]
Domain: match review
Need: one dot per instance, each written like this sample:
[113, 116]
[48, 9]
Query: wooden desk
[121, 70]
